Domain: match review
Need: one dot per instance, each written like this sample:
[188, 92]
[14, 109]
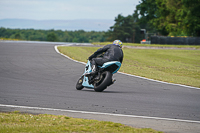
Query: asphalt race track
[35, 75]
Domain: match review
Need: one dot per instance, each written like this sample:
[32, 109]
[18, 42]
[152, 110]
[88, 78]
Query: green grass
[18, 123]
[169, 65]
[151, 45]
[9, 39]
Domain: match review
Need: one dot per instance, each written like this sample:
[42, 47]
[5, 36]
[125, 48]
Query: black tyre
[79, 85]
[104, 80]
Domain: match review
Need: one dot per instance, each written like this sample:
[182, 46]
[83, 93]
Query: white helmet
[118, 43]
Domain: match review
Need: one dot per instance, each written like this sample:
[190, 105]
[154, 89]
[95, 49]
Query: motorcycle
[101, 79]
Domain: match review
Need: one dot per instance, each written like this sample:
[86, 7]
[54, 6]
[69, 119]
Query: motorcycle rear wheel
[103, 82]
[79, 85]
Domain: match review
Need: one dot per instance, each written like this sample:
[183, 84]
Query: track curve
[33, 74]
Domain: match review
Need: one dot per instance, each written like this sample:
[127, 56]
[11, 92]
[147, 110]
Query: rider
[112, 52]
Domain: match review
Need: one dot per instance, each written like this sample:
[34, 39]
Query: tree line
[52, 35]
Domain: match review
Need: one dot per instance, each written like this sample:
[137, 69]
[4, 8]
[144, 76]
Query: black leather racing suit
[112, 53]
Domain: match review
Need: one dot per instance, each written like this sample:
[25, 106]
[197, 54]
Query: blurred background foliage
[157, 17]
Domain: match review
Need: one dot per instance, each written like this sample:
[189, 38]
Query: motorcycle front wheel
[104, 80]
[79, 85]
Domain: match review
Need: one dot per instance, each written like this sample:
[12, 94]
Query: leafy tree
[146, 11]
[168, 16]
[191, 17]
[17, 36]
[52, 37]
[123, 29]
[145, 15]
[178, 17]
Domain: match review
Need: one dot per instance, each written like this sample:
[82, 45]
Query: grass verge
[9, 39]
[16, 122]
[151, 45]
[169, 65]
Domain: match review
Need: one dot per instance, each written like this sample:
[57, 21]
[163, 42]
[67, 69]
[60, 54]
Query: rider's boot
[94, 70]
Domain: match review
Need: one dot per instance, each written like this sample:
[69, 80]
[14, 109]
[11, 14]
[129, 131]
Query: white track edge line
[56, 49]
[99, 113]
